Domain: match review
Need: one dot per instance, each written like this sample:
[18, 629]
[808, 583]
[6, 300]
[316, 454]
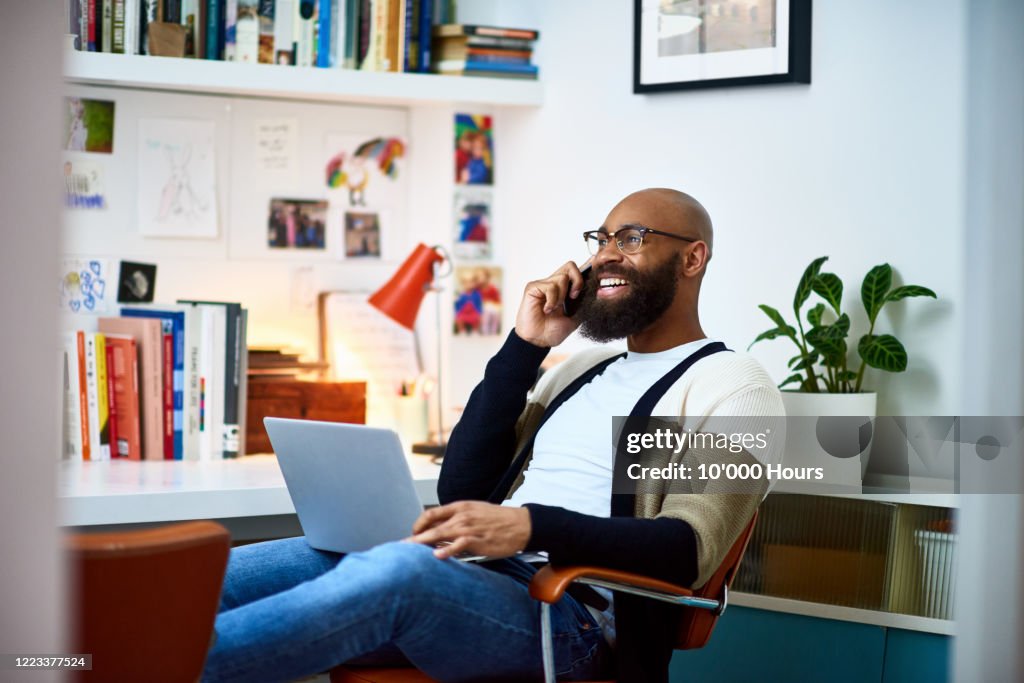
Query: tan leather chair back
[696, 625]
[144, 602]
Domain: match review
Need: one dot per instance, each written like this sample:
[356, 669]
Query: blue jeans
[289, 611]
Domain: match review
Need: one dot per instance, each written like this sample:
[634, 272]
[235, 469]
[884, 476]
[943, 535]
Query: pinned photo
[88, 125]
[136, 283]
[297, 224]
[362, 234]
[474, 150]
[477, 301]
[472, 223]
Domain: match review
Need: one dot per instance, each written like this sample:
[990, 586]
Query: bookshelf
[191, 76]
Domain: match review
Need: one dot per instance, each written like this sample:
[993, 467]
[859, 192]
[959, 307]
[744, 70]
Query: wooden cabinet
[299, 399]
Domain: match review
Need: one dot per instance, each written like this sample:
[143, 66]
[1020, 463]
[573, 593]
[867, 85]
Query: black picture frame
[799, 62]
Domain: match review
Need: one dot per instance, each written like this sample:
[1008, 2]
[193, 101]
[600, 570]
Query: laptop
[350, 484]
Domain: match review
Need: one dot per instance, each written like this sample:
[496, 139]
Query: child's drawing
[83, 285]
[177, 181]
[352, 167]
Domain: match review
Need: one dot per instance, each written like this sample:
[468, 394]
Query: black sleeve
[661, 548]
[482, 444]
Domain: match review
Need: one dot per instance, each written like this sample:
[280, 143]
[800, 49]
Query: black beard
[650, 295]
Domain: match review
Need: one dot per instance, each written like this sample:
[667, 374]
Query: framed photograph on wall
[687, 44]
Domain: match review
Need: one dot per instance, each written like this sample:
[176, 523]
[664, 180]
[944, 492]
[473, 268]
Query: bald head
[675, 211]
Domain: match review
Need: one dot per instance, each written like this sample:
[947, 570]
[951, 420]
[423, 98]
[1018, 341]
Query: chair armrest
[550, 583]
[143, 541]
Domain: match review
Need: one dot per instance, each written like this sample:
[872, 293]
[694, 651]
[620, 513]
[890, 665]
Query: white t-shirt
[571, 465]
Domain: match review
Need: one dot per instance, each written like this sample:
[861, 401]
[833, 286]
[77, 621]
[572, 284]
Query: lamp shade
[401, 296]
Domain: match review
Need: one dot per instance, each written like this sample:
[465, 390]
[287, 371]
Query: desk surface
[126, 491]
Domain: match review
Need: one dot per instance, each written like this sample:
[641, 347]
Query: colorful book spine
[325, 19]
[174, 325]
[123, 369]
[102, 394]
[277, 38]
[73, 427]
[92, 25]
[83, 396]
[215, 29]
[230, 30]
[348, 58]
[305, 18]
[111, 399]
[423, 59]
[92, 397]
[117, 35]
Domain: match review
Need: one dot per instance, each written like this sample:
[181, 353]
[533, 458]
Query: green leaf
[883, 351]
[812, 358]
[814, 315]
[874, 289]
[907, 291]
[830, 288]
[791, 379]
[775, 316]
[794, 359]
[846, 375]
[803, 290]
[830, 340]
[773, 333]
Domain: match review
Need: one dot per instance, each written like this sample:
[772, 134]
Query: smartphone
[570, 306]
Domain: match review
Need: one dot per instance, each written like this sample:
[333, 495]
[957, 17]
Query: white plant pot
[843, 468]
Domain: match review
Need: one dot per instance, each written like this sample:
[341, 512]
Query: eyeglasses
[628, 240]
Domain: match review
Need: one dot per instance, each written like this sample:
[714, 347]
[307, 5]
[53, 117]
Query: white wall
[863, 165]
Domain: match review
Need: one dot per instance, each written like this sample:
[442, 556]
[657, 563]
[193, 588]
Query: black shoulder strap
[623, 504]
[512, 473]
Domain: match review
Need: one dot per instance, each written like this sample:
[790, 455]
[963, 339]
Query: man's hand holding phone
[541, 319]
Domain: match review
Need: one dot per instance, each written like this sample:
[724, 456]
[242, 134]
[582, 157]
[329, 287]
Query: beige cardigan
[730, 384]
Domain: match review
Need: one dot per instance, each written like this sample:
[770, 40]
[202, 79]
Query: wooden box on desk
[300, 399]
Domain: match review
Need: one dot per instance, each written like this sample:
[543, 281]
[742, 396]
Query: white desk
[246, 494]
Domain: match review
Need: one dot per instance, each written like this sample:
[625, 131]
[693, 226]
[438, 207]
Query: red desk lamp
[400, 299]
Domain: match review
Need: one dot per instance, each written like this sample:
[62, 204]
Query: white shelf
[294, 83]
[134, 492]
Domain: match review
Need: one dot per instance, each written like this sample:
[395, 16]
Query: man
[534, 477]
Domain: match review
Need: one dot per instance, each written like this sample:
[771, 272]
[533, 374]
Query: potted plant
[822, 365]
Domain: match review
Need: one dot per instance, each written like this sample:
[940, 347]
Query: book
[91, 42]
[232, 383]
[123, 370]
[83, 396]
[171, 11]
[215, 29]
[463, 50]
[467, 68]
[75, 430]
[347, 58]
[304, 32]
[117, 36]
[247, 32]
[102, 394]
[199, 49]
[92, 397]
[393, 36]
[212, 354]
[230, 29]
[490, 31]
[326, 25]
[149, 12]
[111, 403]
[481, 41]
[365, 27]
[277, 39]
[424, 39]
[148, 336]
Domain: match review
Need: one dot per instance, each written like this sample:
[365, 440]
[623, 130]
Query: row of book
[371, 35]
[159, 382]
[463, 50]
[375, 35]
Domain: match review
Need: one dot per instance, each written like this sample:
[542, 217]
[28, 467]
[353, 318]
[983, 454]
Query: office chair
[144, 602]
[704, 606]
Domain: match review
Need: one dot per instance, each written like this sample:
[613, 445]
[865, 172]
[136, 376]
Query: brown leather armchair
[704, 606]
[144, 602]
